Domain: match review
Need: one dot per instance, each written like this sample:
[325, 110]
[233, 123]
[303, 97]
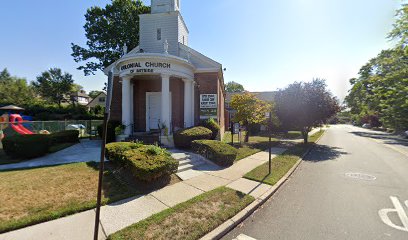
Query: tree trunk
[247, 133]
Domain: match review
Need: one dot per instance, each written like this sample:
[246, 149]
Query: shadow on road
[388, 139]
[324, 153]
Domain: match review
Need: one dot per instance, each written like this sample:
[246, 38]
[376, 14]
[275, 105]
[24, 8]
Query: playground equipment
[15, 122]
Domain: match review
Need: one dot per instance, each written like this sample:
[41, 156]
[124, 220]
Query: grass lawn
[282, 163]
[255, 144]
[32, 196]
[191, 219]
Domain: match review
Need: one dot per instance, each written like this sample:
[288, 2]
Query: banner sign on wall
[208, 106]
[208, 101]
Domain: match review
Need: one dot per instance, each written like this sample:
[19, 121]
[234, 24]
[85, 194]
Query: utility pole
[102, 159]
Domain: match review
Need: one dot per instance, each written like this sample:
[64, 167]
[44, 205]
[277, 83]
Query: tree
[249, 110]
[108, 30]
[14, 90]
[93, 94]
[234, 87]
[54, 85]
[302, 106]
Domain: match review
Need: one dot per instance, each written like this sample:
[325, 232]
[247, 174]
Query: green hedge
[184, 137]
[148, 162]
[219, 152]
[213, 126]
[26, 146]
[114, 151]
[69, 136]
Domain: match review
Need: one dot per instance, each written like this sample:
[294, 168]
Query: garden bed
[191, 219]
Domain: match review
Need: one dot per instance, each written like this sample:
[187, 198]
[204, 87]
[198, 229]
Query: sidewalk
[119, 215]
[85, 151]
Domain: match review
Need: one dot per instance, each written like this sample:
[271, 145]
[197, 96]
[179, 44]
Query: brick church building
[163, 82]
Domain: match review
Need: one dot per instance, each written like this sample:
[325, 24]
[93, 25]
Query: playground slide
[15, 122]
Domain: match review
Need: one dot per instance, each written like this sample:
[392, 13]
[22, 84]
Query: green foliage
[302, 106]
[53, 85]
[250, 110]
[219, 152]
[26, 146]
[148, 163]
[14, 90]
[184, 137]
[115, 151]
[213, 126]
[94, 93]
[110, 133]
[107, 30]
[234, 87]
[69, 136]
[382, 86]
[120, 129]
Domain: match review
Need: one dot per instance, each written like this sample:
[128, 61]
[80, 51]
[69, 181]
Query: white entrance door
[154, 110]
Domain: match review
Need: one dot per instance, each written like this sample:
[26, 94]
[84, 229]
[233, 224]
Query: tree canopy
[381, 88]
[234, 87]
[304, 105]
[14, 90]
[249, 110]
[107, 30]
[54, 85]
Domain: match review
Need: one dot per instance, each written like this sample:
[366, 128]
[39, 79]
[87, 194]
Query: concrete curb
[231, 223]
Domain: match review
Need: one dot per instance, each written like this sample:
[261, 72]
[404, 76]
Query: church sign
[208, 106]
[144, 67]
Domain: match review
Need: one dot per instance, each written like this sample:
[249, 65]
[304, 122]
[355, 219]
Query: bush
[26, 146]
[110, 134]
[148, 162]
[114, 151]
[184, 137]
[69, 136]
[213, 126]
[219, 152]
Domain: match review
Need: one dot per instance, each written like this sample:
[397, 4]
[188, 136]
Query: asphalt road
[338, 192]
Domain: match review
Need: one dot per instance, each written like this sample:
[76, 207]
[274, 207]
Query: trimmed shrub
[110, 134]
[149, 162]
[114, 151]
[219, 152]
[213, 126]
[26, 146]
[184, 137]
[69, 136]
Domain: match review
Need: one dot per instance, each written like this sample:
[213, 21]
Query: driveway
[85, 151]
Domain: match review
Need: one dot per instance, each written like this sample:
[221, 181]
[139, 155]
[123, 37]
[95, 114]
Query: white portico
[157, 85]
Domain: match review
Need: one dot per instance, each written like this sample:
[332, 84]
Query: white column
[126, 103]
[188, 103]
[165, 101]
[192, 102]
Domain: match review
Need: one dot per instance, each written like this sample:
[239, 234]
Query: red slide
[15, 122]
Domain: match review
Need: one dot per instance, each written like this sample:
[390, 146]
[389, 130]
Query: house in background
[97, 101]
[80, 98]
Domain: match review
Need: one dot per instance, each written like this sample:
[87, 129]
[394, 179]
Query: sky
[264, 45]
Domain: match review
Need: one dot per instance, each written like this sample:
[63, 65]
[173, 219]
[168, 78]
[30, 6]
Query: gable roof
[101, 93]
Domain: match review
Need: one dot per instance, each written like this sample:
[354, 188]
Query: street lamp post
[269, 116]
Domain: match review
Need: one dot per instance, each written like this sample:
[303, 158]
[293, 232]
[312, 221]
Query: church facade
[163, 84]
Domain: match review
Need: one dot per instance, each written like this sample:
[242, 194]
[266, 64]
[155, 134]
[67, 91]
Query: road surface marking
[361, 176]
[399, 209]
[243, 237]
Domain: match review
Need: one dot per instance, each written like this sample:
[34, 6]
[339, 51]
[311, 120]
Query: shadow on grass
[387, 138]
[321, 153]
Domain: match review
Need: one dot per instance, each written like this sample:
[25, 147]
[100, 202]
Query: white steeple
[162, 6]
[163, 29]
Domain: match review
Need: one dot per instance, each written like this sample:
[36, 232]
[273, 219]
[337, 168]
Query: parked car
[366, 125]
